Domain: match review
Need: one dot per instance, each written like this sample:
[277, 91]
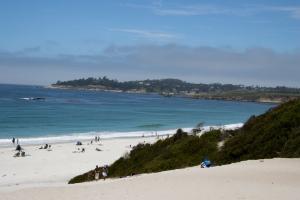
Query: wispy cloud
[30, 50]
[146, 33]
[293, 11]
[193, 10]
[215, 9]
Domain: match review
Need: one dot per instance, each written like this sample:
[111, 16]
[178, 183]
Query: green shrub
[273, 134]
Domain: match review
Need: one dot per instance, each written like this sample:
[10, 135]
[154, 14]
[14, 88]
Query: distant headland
[175, 87]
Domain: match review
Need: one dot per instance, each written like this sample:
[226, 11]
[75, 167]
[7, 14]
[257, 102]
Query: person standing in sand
[104, 172]
[97, 173]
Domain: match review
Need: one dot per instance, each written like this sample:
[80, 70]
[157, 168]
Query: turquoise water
[71, 113]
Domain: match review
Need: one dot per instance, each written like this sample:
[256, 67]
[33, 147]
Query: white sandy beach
[43, 175]
[43, 167]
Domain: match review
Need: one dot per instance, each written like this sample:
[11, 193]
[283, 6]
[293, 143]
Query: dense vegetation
[178, 87]
[273, 134]
[181, 150]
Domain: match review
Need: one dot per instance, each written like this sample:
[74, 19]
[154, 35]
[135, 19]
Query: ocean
[67, 115]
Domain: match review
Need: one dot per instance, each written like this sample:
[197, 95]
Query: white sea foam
[224, 127]
[27, 98]
[107, 135]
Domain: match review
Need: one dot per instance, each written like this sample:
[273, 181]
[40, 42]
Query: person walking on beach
[17, 141]
[13, 140]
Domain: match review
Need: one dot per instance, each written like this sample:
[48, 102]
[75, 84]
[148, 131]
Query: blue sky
[248, 42]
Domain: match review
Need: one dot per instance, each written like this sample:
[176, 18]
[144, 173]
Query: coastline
[204, 96]
[43, 174]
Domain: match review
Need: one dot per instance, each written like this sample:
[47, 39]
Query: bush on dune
[273, 134]
[180, 150]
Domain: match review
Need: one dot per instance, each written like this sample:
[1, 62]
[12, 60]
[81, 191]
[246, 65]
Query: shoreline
[69, 138]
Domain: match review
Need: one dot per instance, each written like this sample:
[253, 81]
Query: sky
[251, 42]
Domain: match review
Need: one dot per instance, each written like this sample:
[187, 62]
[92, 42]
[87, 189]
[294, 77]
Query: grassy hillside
[273, 134]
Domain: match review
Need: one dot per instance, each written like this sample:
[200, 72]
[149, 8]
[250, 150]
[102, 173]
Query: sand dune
[43, 175]
[271, 179]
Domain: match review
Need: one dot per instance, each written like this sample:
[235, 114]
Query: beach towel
[206, 164]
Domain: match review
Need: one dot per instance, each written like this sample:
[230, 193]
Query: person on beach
[97, 173]
[17, 141]
[18, 148]
[13, 140]
[104, 172]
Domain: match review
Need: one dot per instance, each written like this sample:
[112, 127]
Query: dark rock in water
[38, 98]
